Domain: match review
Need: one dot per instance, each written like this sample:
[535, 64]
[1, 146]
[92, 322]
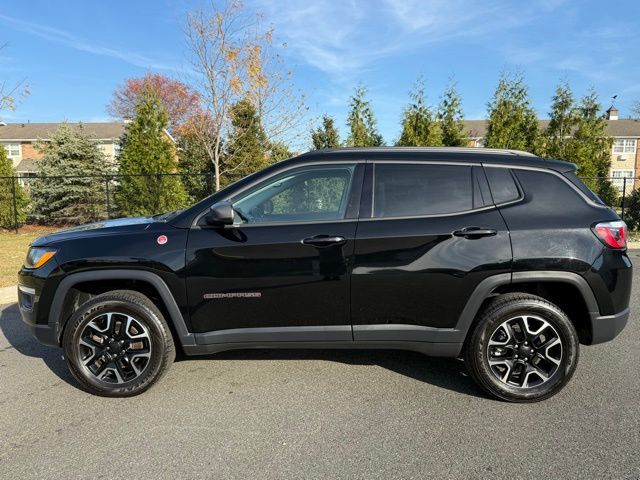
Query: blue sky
[74, 53]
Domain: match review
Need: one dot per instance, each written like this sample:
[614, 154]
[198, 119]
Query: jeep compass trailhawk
[498, 256]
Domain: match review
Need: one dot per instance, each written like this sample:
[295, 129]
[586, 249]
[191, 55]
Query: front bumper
[28, 300]
[607, 327]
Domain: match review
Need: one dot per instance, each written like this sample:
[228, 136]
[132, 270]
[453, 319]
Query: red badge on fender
[162, 239]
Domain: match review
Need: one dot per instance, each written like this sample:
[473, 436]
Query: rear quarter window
[573, 178]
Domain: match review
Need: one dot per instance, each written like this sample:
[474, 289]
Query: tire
[522, 348]
[118, 344]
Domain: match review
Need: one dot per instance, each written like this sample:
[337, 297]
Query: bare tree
[233, 59]
[9, 93]
[635, 110]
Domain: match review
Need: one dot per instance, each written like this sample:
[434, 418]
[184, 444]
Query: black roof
[450, 154]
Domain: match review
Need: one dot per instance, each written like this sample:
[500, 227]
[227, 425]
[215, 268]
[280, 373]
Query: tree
[326, 135]
[512, 121]
[70, 187]
[279, 151]
[419, 126]
[9, 93]
[562, 124]
[246, 152]
[635, 110]
[147, 152]
[179, 100]
[362, 122]
[233, 59]
[195, 167]
[451, 117]
[9, 185]
[632, 216]
[590, 147]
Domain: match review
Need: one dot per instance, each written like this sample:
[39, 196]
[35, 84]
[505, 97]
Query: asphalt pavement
[317, 414]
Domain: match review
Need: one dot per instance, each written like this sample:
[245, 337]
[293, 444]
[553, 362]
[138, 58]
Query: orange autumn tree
[178, 99]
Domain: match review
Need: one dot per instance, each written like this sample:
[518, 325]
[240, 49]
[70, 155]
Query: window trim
[370, 182]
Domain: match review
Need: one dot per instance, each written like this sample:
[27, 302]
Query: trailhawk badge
[214, 296]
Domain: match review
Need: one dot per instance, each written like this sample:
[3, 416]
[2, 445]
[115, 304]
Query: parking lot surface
[317, 414]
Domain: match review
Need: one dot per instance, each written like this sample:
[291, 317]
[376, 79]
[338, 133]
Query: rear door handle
[324, 240]
[475, 232]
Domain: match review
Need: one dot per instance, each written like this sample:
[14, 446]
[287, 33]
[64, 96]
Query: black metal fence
[75, 199]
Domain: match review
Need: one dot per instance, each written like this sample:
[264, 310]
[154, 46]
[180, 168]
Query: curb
[8, 295]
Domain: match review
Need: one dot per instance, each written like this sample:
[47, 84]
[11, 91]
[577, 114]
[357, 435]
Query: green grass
[13, 249]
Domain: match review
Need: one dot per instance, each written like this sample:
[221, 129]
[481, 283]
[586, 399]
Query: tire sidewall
[141, 313]
[570, 350]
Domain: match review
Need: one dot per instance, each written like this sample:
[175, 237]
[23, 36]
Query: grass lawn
[13, 249]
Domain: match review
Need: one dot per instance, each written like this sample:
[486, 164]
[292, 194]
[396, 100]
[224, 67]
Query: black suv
[498, 256]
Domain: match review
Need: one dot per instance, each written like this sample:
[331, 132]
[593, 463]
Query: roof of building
[616, 128]
[27, 165]
[43, 131]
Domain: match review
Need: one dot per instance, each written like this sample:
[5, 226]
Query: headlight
[38, 256]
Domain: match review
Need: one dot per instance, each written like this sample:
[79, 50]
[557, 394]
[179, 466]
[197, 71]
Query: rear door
[428, 235]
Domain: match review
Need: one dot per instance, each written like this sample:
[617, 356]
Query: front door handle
[475, 232]
[324, 240]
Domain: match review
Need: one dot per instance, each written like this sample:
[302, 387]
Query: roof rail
[480, 150]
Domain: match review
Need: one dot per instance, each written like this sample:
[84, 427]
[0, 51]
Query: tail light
[612, 234]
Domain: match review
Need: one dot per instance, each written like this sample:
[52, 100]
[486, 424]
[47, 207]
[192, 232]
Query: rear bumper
[607, 327]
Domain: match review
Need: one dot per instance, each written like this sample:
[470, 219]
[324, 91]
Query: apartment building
[19, 140]
[625, 154]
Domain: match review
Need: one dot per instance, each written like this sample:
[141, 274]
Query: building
[625, 154]
[18, 139]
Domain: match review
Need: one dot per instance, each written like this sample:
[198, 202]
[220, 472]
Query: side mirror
[220, 214]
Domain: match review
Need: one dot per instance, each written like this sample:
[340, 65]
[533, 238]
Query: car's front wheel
[118, 344]
[522, 349]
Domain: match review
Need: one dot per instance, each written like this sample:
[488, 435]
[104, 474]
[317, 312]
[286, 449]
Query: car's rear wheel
[522, 349]
[118, 344]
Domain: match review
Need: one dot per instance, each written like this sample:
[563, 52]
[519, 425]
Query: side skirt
[427, 348]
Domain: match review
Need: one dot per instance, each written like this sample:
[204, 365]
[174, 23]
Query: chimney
[612, 113]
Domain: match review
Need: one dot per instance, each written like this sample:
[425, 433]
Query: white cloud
[69, 40]
[344, 38]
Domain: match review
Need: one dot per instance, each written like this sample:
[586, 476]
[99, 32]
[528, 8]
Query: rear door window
[503, 186]
[404, 190]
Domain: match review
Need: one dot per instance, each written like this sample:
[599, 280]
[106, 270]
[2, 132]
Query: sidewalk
[8, 295]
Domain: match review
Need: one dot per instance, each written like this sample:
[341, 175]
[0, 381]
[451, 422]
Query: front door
[430, 236]
[281, 272]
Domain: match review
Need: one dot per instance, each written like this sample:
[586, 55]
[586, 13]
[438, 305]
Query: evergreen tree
[71, 183]
[562, 124]
[512, 120]
[325, 136]
[590, 148]
[195, 167]
[279, 151]
[145, 153]
[246, 151]
[419, 126]
[7, 187]
[450, 117]
[362, 122]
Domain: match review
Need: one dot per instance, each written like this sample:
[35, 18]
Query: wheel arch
[79, 287]
[568, 290]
